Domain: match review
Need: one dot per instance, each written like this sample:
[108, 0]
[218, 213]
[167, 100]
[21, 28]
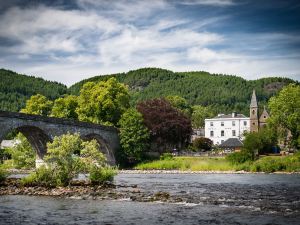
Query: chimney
[233, 114]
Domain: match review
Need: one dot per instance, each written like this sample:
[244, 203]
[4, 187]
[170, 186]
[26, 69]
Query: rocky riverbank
[83, 190]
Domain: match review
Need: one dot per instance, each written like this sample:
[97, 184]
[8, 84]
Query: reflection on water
[206, 199]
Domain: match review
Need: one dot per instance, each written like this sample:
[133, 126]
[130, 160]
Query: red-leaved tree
[169, 128]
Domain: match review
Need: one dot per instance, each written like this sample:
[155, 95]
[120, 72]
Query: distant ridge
[224, 93]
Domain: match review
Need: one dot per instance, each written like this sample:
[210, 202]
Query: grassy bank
[264, 164]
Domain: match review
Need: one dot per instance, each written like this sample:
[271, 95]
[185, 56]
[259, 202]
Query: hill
[15, 89]
[225, 93]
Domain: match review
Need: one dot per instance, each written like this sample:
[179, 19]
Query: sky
[67, 41]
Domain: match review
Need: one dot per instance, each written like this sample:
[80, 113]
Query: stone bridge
[40, 129]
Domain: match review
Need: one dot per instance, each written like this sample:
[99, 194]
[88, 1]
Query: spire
[253, 100]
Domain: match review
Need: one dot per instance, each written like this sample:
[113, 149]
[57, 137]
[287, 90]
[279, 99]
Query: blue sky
[68, 41]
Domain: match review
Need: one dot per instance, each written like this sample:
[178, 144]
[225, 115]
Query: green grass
[188, 163]
[264, 164]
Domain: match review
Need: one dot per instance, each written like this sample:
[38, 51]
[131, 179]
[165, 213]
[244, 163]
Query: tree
[65, 107]
[260, 142]
[202, 143]
[200, 113]
[68, 155]
[285, 112]
[180, 103]
[168, 126]
[134, 136]
[38, 105]
[103, 102]
[22, 154]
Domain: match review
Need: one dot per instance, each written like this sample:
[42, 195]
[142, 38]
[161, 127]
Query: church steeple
[253, 100]
[254, 113]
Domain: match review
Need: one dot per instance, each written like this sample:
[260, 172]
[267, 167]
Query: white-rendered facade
[222, 127]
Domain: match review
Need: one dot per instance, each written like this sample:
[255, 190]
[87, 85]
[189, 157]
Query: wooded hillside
[15, 89]
[223, 92]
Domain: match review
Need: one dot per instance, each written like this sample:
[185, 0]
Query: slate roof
[231, 143]
[230, 116]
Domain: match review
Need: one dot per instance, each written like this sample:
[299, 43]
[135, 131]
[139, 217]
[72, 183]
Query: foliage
[271, 164]
[240, 157]
[3, 175]
[134, 136]
[100, 175]
[285, 112]
[168, 126]
[180, 104]
[260, 142]
[22, 154]
[103, 102]
[62, 157]
[166, 156]
[43, 176]
[222, 93]
[15, 89]
[65, 107]
[38, 105]
[189, 163]
[200, 113]
[202, 143]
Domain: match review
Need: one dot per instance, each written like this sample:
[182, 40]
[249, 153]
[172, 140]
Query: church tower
[254, 123]
[263, 118]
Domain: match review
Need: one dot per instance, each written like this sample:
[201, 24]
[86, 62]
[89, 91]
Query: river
[194, 199]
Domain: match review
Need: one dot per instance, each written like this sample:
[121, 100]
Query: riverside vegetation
[147, 126]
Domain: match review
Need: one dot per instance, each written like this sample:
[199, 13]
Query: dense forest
[224, 93]
[15, 89]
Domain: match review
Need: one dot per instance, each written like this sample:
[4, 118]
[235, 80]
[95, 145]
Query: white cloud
[208, 2]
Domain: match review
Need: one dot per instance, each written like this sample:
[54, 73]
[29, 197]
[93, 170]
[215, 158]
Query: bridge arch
[105, 147]
[35, 136]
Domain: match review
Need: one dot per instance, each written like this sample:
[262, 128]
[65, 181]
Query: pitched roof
[231, 143]
[253, 100]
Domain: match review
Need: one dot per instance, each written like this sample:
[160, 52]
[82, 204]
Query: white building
[222, 127]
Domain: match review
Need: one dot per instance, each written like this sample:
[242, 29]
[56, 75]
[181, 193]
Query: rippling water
[204, 199]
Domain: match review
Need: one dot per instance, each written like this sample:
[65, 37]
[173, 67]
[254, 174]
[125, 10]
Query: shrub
[202, 143]
[43, 176]
[3, 175]
[269, 165]
[22, 154]
[240, 157]
[100, 175]
[166, 156]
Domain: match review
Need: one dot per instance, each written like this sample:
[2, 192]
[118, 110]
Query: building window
[222, 141]
[222, 124]
[211, 124]
[233, 123]
[253, 112]
[253, 123]
[222, 133]
[233, 133]
[211, 133]
[245, 123]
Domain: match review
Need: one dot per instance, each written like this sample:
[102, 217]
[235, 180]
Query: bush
[43, 176]
[269, 165]
[203, 144]
[22, 154]
[3, 175]
[166, 156]
[100, 175]
[240, 157]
